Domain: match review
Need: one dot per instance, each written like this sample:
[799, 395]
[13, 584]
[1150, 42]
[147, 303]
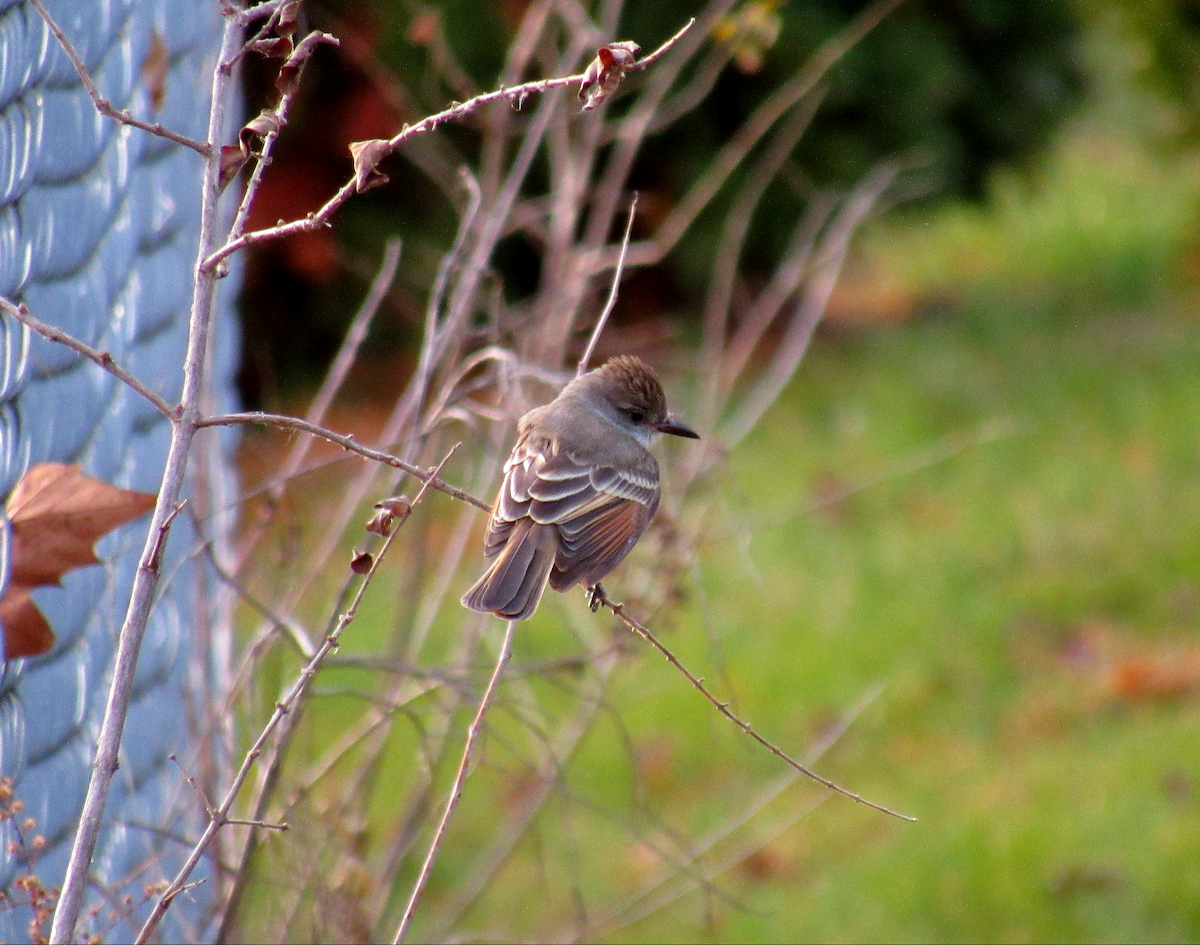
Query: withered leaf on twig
[387, 512]
[288, 14]
[606, 71]
[233, 159]
[367, 155]
[263, 124]
[57, 515]
[273, 47]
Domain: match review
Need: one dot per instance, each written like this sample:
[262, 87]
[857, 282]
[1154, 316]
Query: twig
[295, 63]
[618, 609]
[103, 105]
[456, 111]
[218, 817]
[253, 13]
[22, 314]
[612, 293]
[347, 443]
[456, 788]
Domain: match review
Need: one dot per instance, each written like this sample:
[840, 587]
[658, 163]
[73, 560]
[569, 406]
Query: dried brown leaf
[233, 159]
[273, 47]
[606, 71]
[57, 514]
[288, 80]
[26, 632]
[288, 15]
[264, 123]
[155, 67]
[367, 155]
[386, 514]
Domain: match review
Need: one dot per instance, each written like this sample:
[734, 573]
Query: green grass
[1043, 796]
[988, 524]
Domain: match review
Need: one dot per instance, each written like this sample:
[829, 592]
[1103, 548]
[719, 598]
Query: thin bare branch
[103, 105]
[346, 442]
[458, 110]
[105, 360]
[146, 578]
[582, 366]
[294, 64]
[456, 788]
[600, 599]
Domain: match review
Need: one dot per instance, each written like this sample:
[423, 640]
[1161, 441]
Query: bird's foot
[595, 597]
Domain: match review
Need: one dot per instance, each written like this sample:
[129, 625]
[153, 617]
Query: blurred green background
[975, 515]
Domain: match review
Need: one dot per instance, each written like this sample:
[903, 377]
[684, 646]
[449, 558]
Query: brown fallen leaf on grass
[57, 515]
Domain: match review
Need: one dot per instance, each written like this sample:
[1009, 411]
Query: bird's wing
[600, 511]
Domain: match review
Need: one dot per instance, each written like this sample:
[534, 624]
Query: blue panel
[157, 730]
[67, 609]
[91, 27]
[74, 135]
[55, 696]
[14, 448]
[77, 306]
[24, 49]
[12, 735]
[16, 252]
[65, 223]
[14, 351]
[20, 135]
[98, 228]
[53, 790]
[66, 409]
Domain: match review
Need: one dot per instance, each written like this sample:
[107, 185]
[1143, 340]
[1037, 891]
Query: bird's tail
[513, 585]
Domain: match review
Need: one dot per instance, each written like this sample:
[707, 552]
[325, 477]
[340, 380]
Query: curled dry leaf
[263, 124]
[606, 71]
[288, 15]
[57, 514]
[288, 80]
[367, 155]
[154, 70]
[233, 159]
[387, 512]
[273, 47]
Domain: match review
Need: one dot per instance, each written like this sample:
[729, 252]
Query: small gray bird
[579, 488]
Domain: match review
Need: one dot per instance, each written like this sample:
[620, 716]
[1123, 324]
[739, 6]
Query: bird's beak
[675, 428]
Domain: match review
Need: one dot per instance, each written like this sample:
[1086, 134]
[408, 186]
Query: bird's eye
[636, 416]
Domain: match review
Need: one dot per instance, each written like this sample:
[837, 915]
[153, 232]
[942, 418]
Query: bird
[579, 488]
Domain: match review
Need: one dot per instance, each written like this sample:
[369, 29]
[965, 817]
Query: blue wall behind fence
[98, 228]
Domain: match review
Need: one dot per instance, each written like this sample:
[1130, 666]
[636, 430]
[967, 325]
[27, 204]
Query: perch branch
[600, 599]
